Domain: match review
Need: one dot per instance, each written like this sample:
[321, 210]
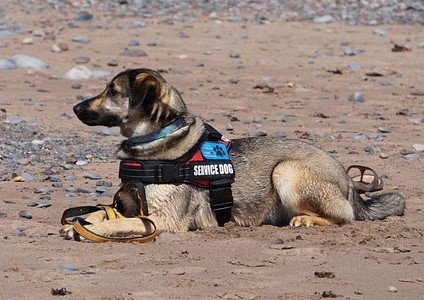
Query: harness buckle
[168, 173]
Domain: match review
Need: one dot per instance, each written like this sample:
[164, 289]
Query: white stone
[56, 49]
[27, 41]
[418, 147]
[79, 72]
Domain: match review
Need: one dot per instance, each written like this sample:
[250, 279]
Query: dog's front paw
[308, 221]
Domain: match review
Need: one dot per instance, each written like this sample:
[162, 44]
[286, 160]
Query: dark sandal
[367, 181]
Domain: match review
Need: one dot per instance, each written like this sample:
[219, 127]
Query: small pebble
[84, 16]
[260, 133]
[384, 130]
[81, 39]
[356, 97]
[351, 51]
[81, 59]
[25, 214]
[133, 53]
[379, 31]
[354, 66]
[112, 63]
[76, 86]
[27, 176]
[68, 267]
[412, 156]
[418, 147]
[229, 127]
[383, 155]
[133, 43]
[3, 214]
[92, 176]
[280, 134]
[81, 163]
[392, 289]
[323, 19]
[27, 41]
[56, 49]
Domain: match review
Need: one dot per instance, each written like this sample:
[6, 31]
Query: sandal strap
[361, 186]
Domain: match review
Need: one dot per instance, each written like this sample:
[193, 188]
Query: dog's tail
[379, 206]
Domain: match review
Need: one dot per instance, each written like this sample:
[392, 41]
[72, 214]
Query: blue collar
[158, 134]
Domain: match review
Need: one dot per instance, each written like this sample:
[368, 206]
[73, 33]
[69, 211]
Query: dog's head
[130, 99]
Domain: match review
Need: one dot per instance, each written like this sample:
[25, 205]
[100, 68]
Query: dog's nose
[78, 108]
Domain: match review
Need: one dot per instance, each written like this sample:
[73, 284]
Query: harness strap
[162, 172]
[221, 200]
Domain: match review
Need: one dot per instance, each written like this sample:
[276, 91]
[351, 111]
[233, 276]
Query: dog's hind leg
[308, 199]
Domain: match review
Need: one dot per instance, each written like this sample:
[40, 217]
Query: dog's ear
[144, 88]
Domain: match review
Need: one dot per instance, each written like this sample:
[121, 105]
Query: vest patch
[213, 169]
[214, 150]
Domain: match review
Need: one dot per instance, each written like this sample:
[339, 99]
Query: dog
[278, 181]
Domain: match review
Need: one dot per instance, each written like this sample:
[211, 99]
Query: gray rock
[354, 66]
[280, 134]
[42, 190]
[104, 183]
[40, 204]
[81, 59]
[356, 97]
[57, 185]
[27, 176]
[152, 44]
[102, 190]
[84, 16]
[412, 156]
[76, 86]
[323, 19]
[359, 136]
[28, 62]
[84, 96]
[25, 214]
[384, 130]
[420, 45]
[385, 83]
[6, 64]
[369, 149]
[133, 43]
[81, 39]
[83, 190]
[260, 133]
[92, 176]
[234, 55]
[418, 147]
[70, 177]
[351, 51]
[379, 31]
[133, 53]
[100, 74]
[374, 135]
[3, 214]
[12, 119]
[68, 267]
[112, 63]
[229, 127]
